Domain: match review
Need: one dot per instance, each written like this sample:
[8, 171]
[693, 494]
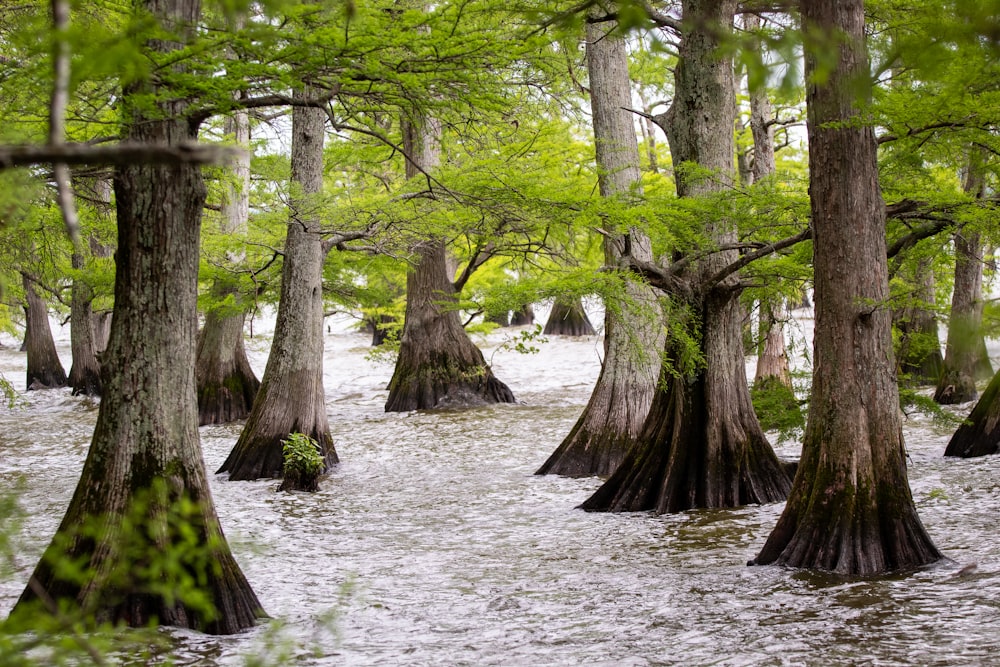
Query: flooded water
[432, 543]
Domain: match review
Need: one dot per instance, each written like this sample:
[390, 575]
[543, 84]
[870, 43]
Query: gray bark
[145, 441]
[226, 381]
[438, 365]
[701, 445]
[291, 397]
[850, 509]
[633, 330]
[44, 369]
[965, 360]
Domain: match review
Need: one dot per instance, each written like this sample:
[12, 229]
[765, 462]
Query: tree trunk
[225, 380]
[145, 441]
[85, 373]
[568, 318]
[438, 365]
[918, 357]
[850, 509]
[963, 350]
[979, 434]
[45, 371]
[88, 330]
[291, 397]
[523, 316]
[633, 329]
[701, 445]
[772, 362]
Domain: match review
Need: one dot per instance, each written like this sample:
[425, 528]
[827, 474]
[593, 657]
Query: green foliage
[138, 564]
[522, 342]
[303, 462]
[777, 408]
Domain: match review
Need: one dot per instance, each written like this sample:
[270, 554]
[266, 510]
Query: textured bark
[89, 330]
[568, 318]
[523, 316]
[850, 509]
[438, 365]
[772, 362]
[291, 397]
[965, 337]
[979, 435]
[918, 356]
[85, 373]
[45, 370]
[633, 331]
[701, 445]
[226, 381]
[147, 426]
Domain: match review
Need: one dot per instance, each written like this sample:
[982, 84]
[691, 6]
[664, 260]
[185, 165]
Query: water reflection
[433, 543]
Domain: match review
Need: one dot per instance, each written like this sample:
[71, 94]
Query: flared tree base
[437, 387]
[585, 454]
[979, 435]
[849, 539]
[681, 462]
[156, 564]
[227, 400]
[261, 455]
[85, 380]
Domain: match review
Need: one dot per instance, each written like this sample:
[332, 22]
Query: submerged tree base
[445, 380]
[979, 435]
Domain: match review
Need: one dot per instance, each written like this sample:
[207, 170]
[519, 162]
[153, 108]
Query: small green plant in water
[303, 463]
[523, 342]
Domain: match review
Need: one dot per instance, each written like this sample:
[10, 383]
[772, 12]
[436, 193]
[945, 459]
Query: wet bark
[45, 370]
[701, 445]
[438, 364]
[850, 509]
[568, 318]
[88, 330]
[979, 435]
[85, 373]
[146, 437]
[523, 316]
[291, 396]
[633, 329]
[226, 382]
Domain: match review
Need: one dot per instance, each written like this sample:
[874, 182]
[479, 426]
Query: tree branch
[125, 153]
[757, 254]
[479, 257]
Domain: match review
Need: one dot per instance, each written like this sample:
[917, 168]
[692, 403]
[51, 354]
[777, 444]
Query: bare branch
[768, 249]
[479, 257]
[125, 153]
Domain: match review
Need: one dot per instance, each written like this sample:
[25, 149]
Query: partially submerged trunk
[965, 359]
[144, 462]
[633, 330]
[291, 396]
[568, 318]
[523, 316]
[226, 381]
[45, 370]
[701, 445]
[963, 351]
[85, 373]
[979, 434]
[918, 355]
[850, 509]
[438, 364]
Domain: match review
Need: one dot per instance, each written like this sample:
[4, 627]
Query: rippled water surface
[433, 542]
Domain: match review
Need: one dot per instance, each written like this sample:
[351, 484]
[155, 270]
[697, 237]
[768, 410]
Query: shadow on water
[434, 543]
